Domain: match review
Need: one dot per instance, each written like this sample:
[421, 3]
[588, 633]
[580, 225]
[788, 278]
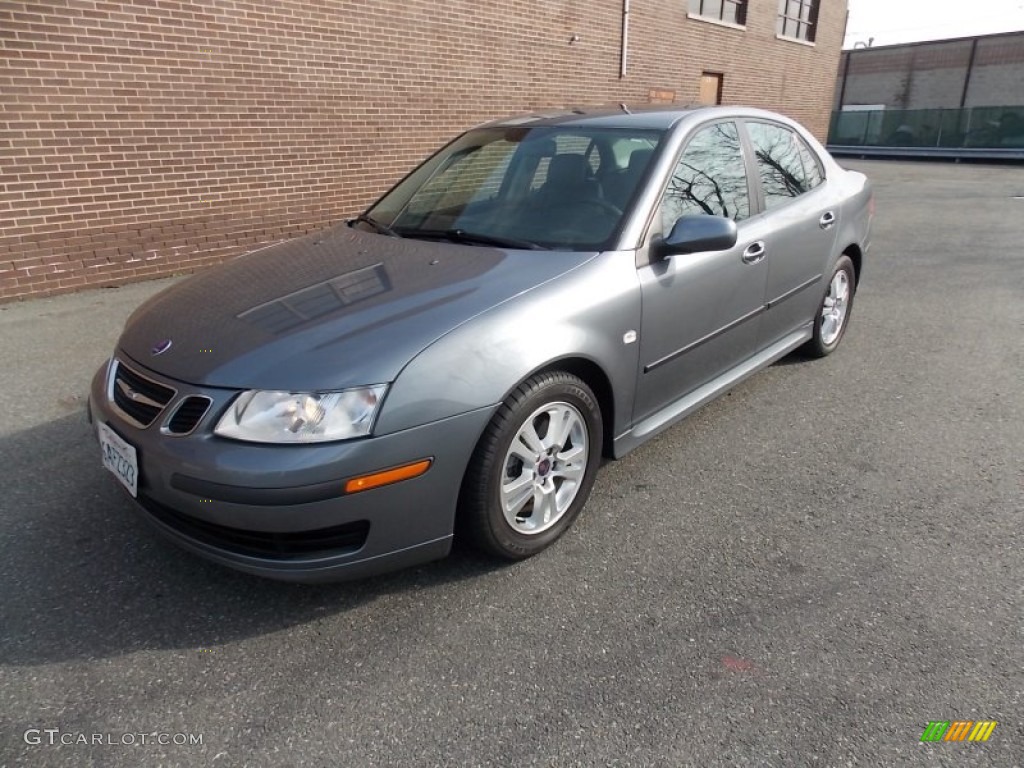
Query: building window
[729, 11]
[798, 19]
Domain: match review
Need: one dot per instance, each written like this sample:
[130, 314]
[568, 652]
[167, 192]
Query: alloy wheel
[544, 468]
[835, 307]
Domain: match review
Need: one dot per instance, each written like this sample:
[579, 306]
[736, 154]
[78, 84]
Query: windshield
[521, 187]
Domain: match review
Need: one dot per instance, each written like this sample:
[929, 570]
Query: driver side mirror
[695, 234]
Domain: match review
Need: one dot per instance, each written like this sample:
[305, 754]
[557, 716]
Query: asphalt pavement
[805, 572]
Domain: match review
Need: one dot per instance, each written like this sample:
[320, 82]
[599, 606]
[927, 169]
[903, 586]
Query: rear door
[802, 215]
[701, 310]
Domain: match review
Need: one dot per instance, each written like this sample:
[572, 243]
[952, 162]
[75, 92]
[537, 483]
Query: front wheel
[534, 467]
[834, 310]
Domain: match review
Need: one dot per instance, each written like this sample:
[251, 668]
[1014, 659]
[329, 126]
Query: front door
[701, 311]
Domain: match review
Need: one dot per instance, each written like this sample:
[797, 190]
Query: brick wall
[151, 137]
[931, 75]
[998, 76]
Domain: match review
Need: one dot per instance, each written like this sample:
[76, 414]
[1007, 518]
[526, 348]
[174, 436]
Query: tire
[516, 500]
[831, 321]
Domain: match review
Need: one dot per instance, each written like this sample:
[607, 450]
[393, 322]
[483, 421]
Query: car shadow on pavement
[796, 357]
[82, 576]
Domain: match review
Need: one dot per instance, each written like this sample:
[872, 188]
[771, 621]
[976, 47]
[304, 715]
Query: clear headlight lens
[301, 417]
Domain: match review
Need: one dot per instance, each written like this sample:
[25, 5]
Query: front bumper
[280, 511]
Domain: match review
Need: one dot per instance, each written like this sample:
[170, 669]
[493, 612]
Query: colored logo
[958, 730]
[160, 347]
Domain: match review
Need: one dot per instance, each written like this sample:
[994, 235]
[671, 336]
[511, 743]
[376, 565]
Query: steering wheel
[594, 202]
[607, 206]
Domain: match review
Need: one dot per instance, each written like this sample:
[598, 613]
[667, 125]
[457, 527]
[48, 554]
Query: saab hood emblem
[160, 347]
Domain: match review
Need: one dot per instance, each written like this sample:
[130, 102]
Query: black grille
[339, 540]
[139, 398]
[188, 414]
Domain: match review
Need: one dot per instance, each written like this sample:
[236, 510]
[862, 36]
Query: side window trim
[755, 189]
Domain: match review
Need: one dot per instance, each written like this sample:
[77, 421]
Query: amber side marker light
[387, 476]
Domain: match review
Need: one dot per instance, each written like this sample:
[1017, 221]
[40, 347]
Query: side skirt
[679, 409]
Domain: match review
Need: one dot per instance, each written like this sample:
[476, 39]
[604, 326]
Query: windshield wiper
[383, 229]
[472, 238]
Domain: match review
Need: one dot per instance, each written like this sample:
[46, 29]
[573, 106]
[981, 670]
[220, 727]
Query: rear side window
[784, 162]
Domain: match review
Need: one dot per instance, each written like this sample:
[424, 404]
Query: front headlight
[300, 417]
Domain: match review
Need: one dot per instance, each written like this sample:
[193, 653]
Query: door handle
[827, 220]
[754, 252]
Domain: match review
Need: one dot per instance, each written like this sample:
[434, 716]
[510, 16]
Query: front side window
[732, 11]
[798, 19]
[710, 178]
[780, 156]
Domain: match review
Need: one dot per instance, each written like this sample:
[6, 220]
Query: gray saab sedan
[542, 292]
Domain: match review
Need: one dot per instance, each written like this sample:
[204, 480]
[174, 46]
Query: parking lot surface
[805, 572]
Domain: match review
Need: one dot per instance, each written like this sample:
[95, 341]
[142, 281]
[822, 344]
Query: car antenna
[624, 108]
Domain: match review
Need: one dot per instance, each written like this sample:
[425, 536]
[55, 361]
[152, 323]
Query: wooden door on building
[710, 88]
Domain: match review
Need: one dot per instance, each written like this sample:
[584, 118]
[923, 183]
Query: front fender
[586, 313]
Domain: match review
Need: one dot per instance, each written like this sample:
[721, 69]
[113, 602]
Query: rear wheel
[534, 467]
[834, 310]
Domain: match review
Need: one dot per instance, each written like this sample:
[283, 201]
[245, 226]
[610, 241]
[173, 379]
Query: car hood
[331, 310]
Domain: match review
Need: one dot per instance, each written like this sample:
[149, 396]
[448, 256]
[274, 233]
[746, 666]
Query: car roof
[621, 116]
[618, 116]
[640, 117]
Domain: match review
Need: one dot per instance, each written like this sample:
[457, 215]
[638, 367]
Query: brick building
[984, 71]
[962, 97]
[151, 137]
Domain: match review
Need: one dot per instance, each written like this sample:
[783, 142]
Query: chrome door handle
[827, 220]
[754, 252]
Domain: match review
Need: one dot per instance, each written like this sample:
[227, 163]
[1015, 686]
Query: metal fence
[988, 131]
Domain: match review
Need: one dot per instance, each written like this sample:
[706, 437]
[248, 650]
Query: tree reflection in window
[710, 178]
[812, 165]
[779, 163]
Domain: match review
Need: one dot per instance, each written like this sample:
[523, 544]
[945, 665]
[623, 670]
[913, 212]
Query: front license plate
[120, 458]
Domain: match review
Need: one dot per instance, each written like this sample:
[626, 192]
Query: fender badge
[160, 347]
